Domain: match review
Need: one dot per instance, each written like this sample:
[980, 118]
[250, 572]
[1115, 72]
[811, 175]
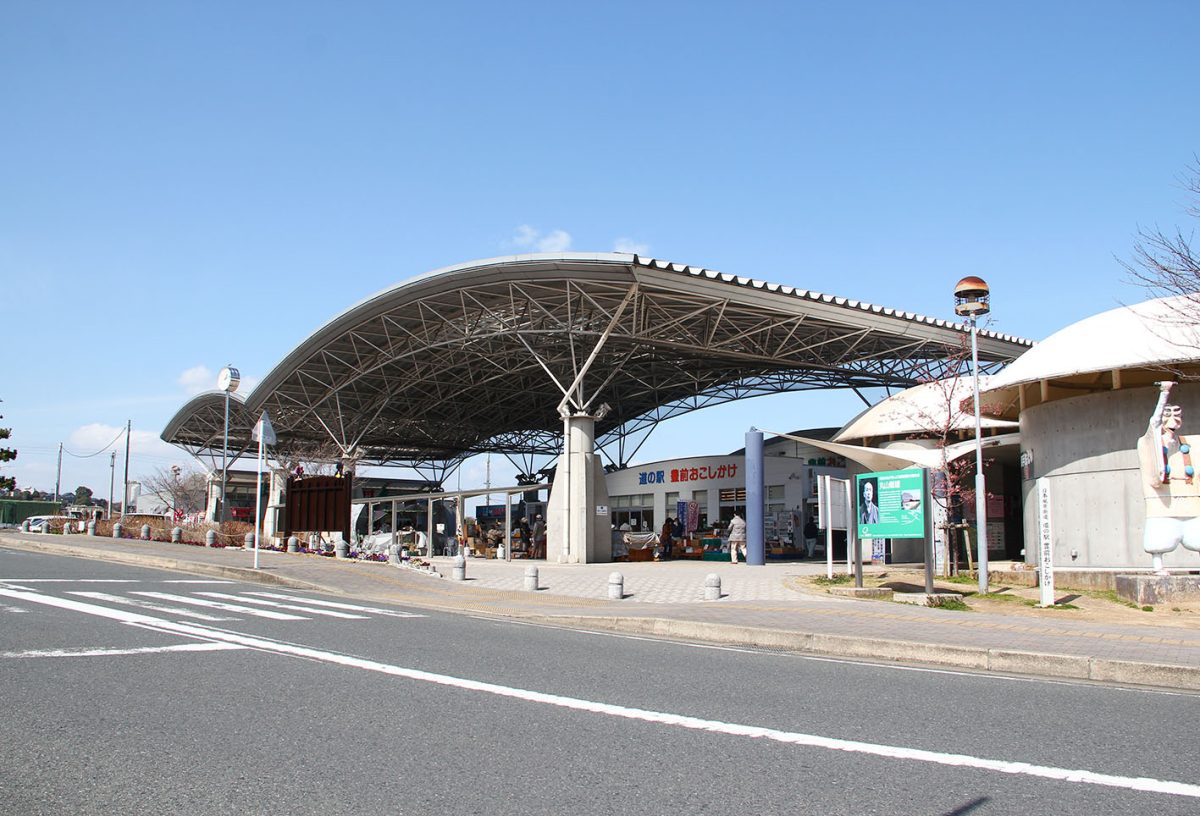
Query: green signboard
[891, 504]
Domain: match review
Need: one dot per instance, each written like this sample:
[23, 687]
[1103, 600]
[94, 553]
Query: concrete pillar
[176, 535]
[531, 579]
[210, 538]
[248, 541]
[277, 482]
[460, 568]
[91, 528]
[577, 516]
[756, 550]
[117, 530]
[293, 544]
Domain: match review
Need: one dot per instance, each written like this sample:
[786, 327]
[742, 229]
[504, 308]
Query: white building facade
[644, 496]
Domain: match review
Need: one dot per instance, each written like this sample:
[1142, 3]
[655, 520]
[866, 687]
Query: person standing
[810, 537]
[737, 537]
[539, 538]
[665, 537]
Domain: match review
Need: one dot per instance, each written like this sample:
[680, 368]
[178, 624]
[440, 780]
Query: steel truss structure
[489, 356]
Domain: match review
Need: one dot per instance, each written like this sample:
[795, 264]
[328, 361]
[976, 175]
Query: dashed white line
[70, 581]
[189, 581]
[294, 607]
[395, 613]
[157, 607]
[181, 647]
[224, 607]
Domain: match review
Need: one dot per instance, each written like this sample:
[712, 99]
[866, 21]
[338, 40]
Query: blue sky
[184, 185]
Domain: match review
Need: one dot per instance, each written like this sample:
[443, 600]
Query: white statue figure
[1169, 483]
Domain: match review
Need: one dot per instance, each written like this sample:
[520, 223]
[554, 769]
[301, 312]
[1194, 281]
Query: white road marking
[335, 605]
[172, 610]
[294, 607]
[658, 717]
[182, 581]
[181, 647]
[224, 607]
[70, 580]
[14, 609]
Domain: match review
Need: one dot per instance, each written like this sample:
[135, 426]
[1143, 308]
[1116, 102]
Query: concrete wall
[1086, 447]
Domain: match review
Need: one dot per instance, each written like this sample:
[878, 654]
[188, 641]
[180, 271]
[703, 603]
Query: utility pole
[112, 475]
[125, 496]
[58, 476]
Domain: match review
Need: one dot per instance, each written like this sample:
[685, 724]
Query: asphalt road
[116, 708]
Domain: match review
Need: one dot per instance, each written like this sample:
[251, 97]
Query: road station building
[558, 362]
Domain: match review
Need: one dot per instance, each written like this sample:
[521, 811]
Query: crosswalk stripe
[295, 607]
[138, 602]
[335, 605]
[227, 607]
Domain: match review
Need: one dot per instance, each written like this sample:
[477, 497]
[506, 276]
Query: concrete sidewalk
[767, 607]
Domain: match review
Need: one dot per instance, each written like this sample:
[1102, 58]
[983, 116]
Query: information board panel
[890, 504]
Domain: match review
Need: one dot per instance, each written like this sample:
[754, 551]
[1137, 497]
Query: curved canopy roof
[488, 355]
[927, 409]
[1126, 347]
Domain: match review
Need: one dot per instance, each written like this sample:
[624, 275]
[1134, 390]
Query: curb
[1000, 661]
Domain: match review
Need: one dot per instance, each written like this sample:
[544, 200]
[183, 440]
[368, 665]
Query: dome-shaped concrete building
[1083, 397]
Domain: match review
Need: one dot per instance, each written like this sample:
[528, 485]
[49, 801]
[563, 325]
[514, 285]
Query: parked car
[37, 524]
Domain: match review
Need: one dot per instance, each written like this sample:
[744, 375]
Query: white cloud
[631, 246]
[557, 241]
[527, 237]
[524, 236]
[198, 379]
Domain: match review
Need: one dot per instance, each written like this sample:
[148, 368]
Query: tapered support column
[578, 525]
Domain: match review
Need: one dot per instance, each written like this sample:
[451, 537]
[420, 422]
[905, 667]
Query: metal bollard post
[712, 587]
[460, 568]
[210, 538]
[91, 528]
[293, 544]
[531, 579]
[176, 535]
[616, 586]
[117, 530]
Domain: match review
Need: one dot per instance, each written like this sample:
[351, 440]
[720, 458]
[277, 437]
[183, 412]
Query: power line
[97, 453]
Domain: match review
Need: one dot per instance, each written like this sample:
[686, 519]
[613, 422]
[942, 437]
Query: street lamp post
[227, 381]
[175, 471]
[971, 297]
